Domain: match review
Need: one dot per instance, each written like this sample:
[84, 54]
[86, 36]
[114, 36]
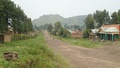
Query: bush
[86, 33]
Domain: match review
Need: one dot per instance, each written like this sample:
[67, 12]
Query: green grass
[81, 42]
[33, 53]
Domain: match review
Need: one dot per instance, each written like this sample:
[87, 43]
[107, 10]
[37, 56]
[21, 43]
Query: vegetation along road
[107, 56]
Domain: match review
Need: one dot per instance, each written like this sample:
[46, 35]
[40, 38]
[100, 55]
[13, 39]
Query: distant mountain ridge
[53, 18]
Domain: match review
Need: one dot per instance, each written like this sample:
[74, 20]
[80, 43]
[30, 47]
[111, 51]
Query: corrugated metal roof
[112, 29]
[95, 30]
[103, 28]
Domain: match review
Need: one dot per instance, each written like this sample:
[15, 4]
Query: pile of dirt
[10, 56]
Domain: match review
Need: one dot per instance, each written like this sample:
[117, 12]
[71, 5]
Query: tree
[50, 28]
[101, 17]
[66, 26]
[89, 21]
[66, 33]
[86, 33]
[119, 12]
[13, 15]
[114, 17]
[60, 31]
[6, 9]
[119, 16]
[27, 25]
[58, 27]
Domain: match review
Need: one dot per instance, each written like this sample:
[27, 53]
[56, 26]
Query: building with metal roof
[110, 32]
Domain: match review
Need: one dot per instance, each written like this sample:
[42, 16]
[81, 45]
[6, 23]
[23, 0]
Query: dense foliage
[13, 15]
[101, 17]
[58, 30]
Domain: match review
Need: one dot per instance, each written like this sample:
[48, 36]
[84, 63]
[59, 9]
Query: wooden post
[105, 37]
[112, 37]
[100, 36]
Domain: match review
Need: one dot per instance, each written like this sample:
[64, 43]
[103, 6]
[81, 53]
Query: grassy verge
[17, 37]
[81, 42]
[33, 53]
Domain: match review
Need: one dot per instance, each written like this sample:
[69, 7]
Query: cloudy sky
[66, 8]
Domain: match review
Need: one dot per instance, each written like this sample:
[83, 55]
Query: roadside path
[104, 57]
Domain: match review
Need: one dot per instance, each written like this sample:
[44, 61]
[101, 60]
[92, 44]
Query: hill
[76, 20]
[53, 18]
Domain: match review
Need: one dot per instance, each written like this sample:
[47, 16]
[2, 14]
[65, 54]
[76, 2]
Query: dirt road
[107, 56]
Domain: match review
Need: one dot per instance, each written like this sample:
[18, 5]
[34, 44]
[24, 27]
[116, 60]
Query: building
[110, 32]
[5, 38]
[76, 34]
[93, 34]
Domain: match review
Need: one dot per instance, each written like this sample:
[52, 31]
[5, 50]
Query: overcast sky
[66, 8]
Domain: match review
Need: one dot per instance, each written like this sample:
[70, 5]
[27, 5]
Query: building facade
[76, 34]
[110, 32]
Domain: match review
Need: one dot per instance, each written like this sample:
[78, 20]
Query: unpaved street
[107, 56]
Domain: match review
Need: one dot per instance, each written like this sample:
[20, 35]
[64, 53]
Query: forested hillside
[76, 20]
[47, 19]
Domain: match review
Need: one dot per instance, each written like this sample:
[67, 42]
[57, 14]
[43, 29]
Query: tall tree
[119, 12]
[114, 17]
[101, 17]
[13, 15]
[119, 16]
[89, 21]
[50, 28]
[60, 31]
[58, 26]
[106, 17]
[6, 9]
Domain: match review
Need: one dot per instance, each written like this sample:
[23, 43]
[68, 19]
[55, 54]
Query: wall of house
[77, 35]
[111, 37]
[7, 38]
